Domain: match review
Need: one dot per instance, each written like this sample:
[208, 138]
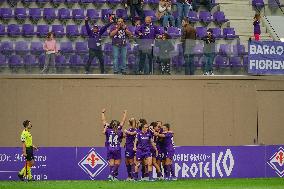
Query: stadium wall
[66, 110]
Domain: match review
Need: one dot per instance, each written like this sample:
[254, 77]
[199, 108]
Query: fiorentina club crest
[276, 162]
[93, 164]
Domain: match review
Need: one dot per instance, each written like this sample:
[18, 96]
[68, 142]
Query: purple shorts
[129, 153]
[143, 154]
[170, 154]
[113, 154]
[161, 155]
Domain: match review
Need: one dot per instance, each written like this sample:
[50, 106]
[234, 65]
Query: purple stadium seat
[64, 15]
[108, 48]
[28, 30]
[20, 14]
[239, 50]
[217, 33]
[3, 61]
[6, 14]
[72, 31]
[75, 61]
[153, 2]
[131, 29]
[205, 17]
[81, 47]
[258, 4]
[49, 15]
[106, 13]
[66, 47]
[192, 16]
[219, 17]
[161, 29]
[100, 1]
[30, 60]
[225, 49]
[198, 49]
[201, 32]
[15, 61]
[6, 47]
[78, 15]
[235, 62]
[121, 13]
[36, 48]
[42, 30]
[35, 14]
[58, 30]
[86, 2]
[93, 14]
[21, 47]
[174, 32]
[41, 60]
[150, 13]
[221, 61]
[2, 30]
[83, 31]
[60, 61]
[229, 33]
[13, 30]
[245, 62]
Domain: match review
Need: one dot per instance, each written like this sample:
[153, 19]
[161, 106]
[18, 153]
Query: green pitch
[273, 183]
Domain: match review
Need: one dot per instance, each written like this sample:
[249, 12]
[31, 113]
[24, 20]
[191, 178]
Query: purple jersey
[113, 139]
[119, 39]
[144, 140]
[129, 143]
[169, 141]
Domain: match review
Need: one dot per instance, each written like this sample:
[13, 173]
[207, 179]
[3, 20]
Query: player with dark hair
[114, 135]
[142, 145]
[27, 141]
[169, 151]
[129, 144]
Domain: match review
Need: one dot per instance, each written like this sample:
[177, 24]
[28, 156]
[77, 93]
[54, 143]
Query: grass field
[271, 183]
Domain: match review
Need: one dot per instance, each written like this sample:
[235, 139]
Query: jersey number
[113, 140]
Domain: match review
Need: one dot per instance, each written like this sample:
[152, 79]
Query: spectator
[119, 33]
[188, 42]
[164, 13]
[147, 33]
[165, 46]
[209, 51]
[51, 49]
[94, 44]
[183, 7]
[256, 24]
[136, 6]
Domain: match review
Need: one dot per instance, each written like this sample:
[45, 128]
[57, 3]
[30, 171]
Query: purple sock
[150, 174]
[159, 174]
[143, 171]
[114, 172]
[129, 170]
[173, 170]
[110, 169]
[167, 172]
[135, 175]
[132, 170]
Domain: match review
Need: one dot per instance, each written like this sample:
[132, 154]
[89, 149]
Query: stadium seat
[112, 2]
[229, 33]
[83, 31]
[66, 47]
[36, 48]
[93, 14]
[239, 50]
[235, 62]
[219, 17]
[108, 48]
[151, 13]
[58, 30]
[3, 61]
[81, 47]
[101, 1]
[76, 61]
[121, 13]
[35, 14]
[64, 15]
[21, 47]
[192, 17]
[72, 31]
[13, 30]
[221, 62]
[41, 60]
[106, 13]
[6, 47]
[78, 15]
[205, 17]
[42, 30]
[2, 30]
[225, 49]
[6, 14]
[60, 62]
[15, 61]
[201, 32]
[217, 33]
[174, 32]
[258, 4]
[30, 61]
[49, 15]
[20, 14]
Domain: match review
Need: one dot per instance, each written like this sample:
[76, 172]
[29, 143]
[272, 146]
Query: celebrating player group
[145, 146]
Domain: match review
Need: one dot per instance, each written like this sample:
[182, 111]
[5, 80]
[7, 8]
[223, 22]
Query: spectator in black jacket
[209, 52]
[94, 44]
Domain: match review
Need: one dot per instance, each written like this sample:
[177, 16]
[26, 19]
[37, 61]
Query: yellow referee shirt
[27, 138]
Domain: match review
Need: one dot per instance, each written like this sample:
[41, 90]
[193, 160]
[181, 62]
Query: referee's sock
[23, 171]
[29, 171]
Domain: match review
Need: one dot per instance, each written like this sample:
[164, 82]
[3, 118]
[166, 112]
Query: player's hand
[103, 110]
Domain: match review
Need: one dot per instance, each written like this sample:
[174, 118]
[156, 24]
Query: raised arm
[123, 117]
[104, 117]
[87, 26]
[104, 28]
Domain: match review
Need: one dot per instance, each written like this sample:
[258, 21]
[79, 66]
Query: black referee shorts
[30, 153]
